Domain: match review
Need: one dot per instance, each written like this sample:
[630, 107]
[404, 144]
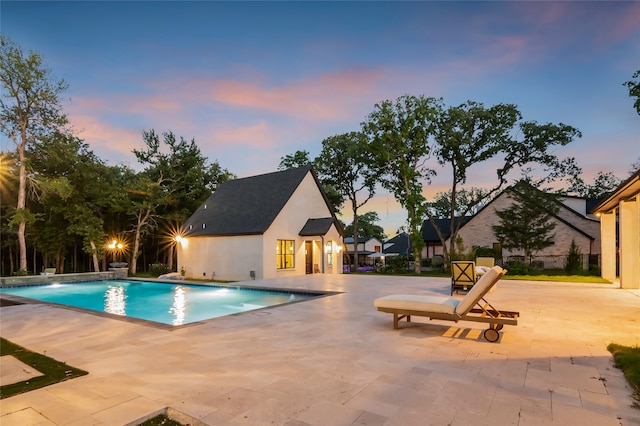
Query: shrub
[573, 263]
[517, 268]
[395, 264]
[21, 273]
[159, 269]
[437, 261]
[484, 252]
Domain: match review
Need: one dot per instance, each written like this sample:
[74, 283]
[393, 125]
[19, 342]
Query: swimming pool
[166, 303]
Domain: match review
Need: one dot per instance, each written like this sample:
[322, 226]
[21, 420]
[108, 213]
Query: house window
[285, 257]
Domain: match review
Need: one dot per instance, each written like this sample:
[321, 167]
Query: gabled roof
[247, 206]
[514, 188]
[315, 227]
[361, 240]
[400, 244]
[429, 232]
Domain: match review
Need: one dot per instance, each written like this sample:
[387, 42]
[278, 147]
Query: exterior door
[308, 258]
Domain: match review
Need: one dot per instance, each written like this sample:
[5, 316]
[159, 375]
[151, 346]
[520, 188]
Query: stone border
[56, 278]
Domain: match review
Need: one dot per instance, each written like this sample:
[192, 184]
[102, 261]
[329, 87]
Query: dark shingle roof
[246, 206]
[401, 244]
[429, 232]
[315, 227]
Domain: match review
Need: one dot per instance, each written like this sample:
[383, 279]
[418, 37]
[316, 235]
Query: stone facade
[570, 225]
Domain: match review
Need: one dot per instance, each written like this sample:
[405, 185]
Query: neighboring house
[400, 245]
[620, 227]
[366, 247]
[272, 225]
[572, 223]
[432, 243]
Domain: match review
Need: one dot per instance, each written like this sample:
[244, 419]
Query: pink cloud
[258, 135]
[105, 140]
[326, 97]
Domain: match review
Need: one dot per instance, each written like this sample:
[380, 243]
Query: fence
[556, 262]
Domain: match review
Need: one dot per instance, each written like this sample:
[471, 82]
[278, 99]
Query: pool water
[166, 303]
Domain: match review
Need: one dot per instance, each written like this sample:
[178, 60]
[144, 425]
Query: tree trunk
[172, 247]
[355, 239]
[22, 196]
[94, 256]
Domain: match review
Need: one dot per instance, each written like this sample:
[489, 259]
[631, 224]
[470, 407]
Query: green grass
[560, 278]
[550, 277]
[160, 420]
[627, 359]
[53, 371]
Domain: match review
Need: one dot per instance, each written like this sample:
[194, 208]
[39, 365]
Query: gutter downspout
[323, 252]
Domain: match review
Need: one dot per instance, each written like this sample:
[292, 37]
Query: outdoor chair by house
[463, 275]
[473, 307]
[483, 264]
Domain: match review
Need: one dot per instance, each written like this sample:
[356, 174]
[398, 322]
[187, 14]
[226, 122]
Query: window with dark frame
[285, 256]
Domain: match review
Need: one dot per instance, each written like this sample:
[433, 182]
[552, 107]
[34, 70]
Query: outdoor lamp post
[115, 246]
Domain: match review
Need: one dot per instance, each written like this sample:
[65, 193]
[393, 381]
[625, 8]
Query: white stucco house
[620, 224]
[367, 246]
[266, 226]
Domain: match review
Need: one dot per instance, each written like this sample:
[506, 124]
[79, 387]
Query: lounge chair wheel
[491, 335]
[497, 327]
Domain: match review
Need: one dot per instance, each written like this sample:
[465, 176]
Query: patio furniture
[463, 275]
[483, 264]
[48, 271]
[472, 307]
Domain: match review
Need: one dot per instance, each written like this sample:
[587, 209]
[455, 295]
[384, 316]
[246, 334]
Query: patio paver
[336, 360]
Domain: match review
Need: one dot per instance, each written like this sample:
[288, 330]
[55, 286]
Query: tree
[367, 227]
[75, 197]
[184, 179]
[346, 164]
[297, 159]
[441, 206]
[29, 108]
[634, 90]
[472, 134]
[602, 185]
[573, 262]
[526, 225]
[400, 133]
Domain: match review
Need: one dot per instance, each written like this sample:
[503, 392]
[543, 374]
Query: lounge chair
[473, 307]
[48, 271]
[463, 275]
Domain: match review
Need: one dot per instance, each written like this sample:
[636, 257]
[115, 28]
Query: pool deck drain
[336, 360]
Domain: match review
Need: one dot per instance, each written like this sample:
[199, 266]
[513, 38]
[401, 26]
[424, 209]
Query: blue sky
[254, 81]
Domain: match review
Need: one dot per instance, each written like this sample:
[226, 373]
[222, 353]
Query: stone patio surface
[337, 361]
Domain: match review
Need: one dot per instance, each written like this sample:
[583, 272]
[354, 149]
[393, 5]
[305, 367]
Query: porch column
[608, 241]
[630, 243]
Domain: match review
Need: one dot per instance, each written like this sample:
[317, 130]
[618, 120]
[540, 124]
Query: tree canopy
[634, 90]
[472, 134]
[526, 225]
[29, 108]
[401, 133]
[346, 164]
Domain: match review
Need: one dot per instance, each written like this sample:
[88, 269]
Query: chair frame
[463, 275]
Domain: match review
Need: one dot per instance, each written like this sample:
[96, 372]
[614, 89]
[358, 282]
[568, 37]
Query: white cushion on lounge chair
[413, 302]
[478, 291]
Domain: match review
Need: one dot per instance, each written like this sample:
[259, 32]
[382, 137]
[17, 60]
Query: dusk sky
[254, 81]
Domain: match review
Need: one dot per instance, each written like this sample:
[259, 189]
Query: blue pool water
[166, 303]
